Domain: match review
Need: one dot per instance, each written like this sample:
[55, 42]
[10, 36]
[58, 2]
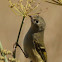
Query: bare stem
[16, 44]
[20, 29]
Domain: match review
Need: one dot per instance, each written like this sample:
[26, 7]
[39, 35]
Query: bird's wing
[41, 50]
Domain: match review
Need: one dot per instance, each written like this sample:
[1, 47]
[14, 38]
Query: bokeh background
[10, 24]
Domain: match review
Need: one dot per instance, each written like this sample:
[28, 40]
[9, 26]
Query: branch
[16, 44]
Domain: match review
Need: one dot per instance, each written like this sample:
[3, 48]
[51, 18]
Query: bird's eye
[36, 21]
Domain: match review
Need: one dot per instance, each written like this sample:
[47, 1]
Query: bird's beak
[31, 17]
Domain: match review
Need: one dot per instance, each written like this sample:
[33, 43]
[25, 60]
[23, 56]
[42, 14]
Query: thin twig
[16, 44]
[22, 51]
[54, 2]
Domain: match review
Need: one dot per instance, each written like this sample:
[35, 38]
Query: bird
[33, 43]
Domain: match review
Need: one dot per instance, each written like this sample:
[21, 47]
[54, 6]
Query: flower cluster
[60, 1]
[6, 52]
[22, 9]
[3, 54]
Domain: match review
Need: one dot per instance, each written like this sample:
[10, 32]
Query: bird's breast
[38, 37]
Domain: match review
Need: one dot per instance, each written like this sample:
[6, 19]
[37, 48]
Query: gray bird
[34, 47]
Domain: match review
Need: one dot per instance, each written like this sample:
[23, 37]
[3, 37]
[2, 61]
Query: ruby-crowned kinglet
[33, 44]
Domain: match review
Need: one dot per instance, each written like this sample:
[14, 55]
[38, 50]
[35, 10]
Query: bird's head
[37, 23]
